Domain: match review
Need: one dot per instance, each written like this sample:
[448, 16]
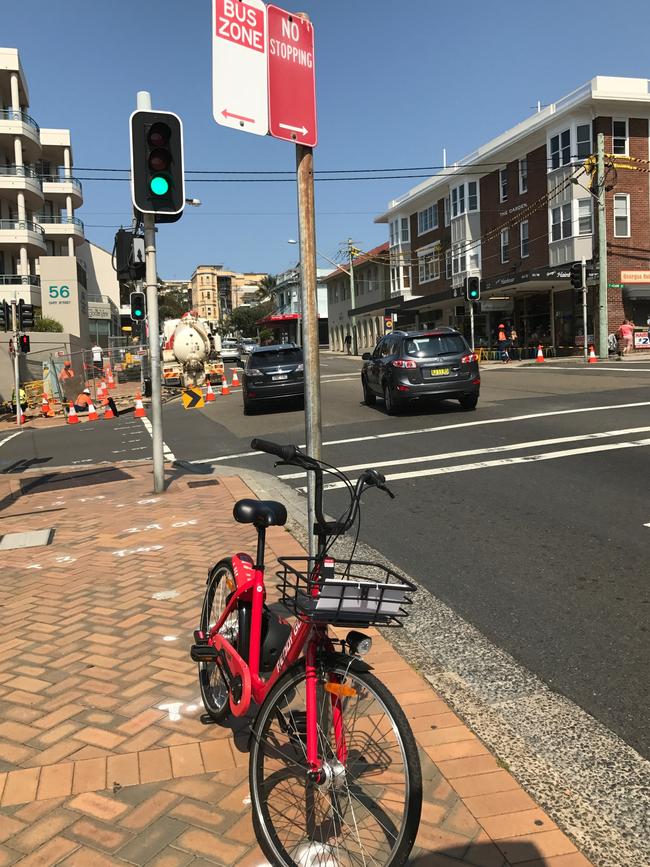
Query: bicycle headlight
[358, 643]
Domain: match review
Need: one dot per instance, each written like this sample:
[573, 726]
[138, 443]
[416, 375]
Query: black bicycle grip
[285, 453]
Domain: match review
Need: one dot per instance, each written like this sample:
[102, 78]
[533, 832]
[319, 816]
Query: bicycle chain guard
[238, 668]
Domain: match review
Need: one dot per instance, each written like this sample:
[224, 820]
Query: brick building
[518, 212]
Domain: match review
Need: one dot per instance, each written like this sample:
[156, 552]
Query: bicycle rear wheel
[368, 809]
[214, 688]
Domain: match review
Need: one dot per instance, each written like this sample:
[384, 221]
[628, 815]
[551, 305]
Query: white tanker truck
[190, 354]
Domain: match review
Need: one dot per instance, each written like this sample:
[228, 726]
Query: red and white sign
[239, 65]
[292, 80]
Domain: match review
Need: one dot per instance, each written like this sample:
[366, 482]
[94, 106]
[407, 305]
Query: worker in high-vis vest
[84, 400]
[23, 399]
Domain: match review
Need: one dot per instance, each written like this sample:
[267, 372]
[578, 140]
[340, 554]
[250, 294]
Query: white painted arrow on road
[301, 129]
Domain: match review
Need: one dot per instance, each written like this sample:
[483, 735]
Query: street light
[194, 202]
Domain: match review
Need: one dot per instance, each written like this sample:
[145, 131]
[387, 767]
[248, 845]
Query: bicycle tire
[214, 689]
[278, 843]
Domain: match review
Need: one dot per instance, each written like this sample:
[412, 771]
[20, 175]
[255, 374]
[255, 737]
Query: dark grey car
[410, 366]
[273, 373]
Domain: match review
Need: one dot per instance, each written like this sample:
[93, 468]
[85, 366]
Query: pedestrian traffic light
[157, 177]
[576, 275]
[24, 343]
[472, 288]
[25, 316]
[128, 256]
[138, 307]
[5, 316]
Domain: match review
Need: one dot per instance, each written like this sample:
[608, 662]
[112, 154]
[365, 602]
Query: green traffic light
[159, 185]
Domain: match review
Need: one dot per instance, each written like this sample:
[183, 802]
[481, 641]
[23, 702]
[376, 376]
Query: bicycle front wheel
[366, 808]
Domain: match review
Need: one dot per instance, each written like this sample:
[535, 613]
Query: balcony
[57, 227]
[27, 287]
[23, 233]
[22, 179]
[57, 186]
[19, 123]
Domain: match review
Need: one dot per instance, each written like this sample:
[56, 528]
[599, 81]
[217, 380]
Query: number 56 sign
[59, 294]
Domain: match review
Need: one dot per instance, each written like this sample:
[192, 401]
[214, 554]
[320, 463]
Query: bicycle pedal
[200, 637]
[203, 653]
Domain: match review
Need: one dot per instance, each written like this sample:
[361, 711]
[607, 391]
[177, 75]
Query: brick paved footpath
[103, 756]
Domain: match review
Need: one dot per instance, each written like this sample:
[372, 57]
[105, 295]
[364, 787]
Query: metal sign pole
[309, 307]
[603, 327]
[14, 310]
[471, 321]
[584, 306]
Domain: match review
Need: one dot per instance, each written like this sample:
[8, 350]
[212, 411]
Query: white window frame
[448, 268]
[523, 175]
[447, 208]
[560, 151]
[428, 219]
[626, 198]
[561, 222]
[458, 258]
[589, 202]
[591, 144]
[428, 267]
[504, 245]
[404, 233]
[503, 185]
[476, 197]
[524, 239]
[625, 152]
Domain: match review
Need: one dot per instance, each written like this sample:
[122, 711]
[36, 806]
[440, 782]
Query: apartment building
[286, 319]
[216, 291]
[39, 231]
[518, 211]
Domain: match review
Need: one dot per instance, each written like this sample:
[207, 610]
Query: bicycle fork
[322, 769]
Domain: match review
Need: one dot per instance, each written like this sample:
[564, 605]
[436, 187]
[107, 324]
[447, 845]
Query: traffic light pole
[603, 326]
[471, 321]
[14, 311]
[584, 307]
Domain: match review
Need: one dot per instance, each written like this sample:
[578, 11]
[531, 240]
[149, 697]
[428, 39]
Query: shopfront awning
[280, 317]
[637, 292]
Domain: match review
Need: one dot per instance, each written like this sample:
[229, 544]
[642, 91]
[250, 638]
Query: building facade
[519, 211]
[374, 299]
[216, 291]
[39, 231]
[285, 321]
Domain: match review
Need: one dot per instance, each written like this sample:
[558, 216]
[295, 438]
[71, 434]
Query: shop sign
[635, 276]
[641, 340]
[98, 311]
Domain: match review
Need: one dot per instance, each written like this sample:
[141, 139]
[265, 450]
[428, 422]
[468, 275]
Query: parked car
[408, 366]
[230, 350]
[273, 373]
[247, 345]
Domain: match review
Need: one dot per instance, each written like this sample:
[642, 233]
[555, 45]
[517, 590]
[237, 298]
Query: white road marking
[482, 465]
[512, 447]
[10, 437]
[168, 454]
[595, 368]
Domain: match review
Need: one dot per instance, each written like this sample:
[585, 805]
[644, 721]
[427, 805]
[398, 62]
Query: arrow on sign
[192, 397]
[228, 114]
[301, 129]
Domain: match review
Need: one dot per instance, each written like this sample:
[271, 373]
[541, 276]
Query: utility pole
[151, 274]
[471, 322]
[352, 251]
[14, 312]
[603, 327]
[584, 307]
[309, 313]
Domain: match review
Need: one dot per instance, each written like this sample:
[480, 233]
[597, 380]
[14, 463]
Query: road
[530, 517]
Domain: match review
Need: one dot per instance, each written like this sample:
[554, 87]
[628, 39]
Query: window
[427, 219]
[405, 230]
[472, 196]
[561, 149]
[428, 267]
[585, 224]
[434, 345]
[461, 199]
[505, 243]
[458, 258]
[561, 222]
[448, 264]
[622, 215]
[523, 239]
[447, 210]
[583, 140]
[454, 202]
[523, 176]
[503, 185]
[619, 136]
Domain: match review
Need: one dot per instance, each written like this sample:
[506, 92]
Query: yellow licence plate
[440, 371]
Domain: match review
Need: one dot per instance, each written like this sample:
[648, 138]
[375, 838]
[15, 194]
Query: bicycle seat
[261, 513]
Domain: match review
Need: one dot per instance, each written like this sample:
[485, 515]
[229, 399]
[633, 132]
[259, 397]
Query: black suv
[411, 365]
[273, 373]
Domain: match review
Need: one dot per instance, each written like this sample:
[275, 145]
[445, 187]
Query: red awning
[284, 317]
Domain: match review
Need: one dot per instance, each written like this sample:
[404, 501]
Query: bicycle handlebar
[285, 453]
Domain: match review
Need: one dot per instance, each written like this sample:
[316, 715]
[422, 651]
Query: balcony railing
[19, 171]
[21, 226]
[57, 220]
[10, 114]
[13, 279]
[59, 179]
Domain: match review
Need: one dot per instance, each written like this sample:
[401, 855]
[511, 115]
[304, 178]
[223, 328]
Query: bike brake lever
[388, 491]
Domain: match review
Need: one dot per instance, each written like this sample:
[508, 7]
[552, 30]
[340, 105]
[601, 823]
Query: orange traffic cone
[46, 410]
[108, 412]
[540, 354]
[209, 395]
[235, 378]
[139, 406]
[100, 391]
[73, 418]
[593, 359]
[111, 381]
[21, 417]
[224, 385]
[92, 412]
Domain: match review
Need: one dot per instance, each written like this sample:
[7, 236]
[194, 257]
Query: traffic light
[23, 342]
[128, 256]
[472, 288]
[5, 316]
[25, 316]
[138, 307]
[157, 178]
[576, 275]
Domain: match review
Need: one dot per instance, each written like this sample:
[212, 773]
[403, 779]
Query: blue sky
[396, 82]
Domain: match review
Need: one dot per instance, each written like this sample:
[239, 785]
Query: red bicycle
[334, 771]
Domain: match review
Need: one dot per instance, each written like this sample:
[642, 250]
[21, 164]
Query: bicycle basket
[350, 593]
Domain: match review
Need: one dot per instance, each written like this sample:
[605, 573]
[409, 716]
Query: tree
[243, 320]
[42, 323]
[172, 304]
[266, 287]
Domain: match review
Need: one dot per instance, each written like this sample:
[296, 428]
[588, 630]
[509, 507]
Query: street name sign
[192, 398]
[239, 65]
[292, 80]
